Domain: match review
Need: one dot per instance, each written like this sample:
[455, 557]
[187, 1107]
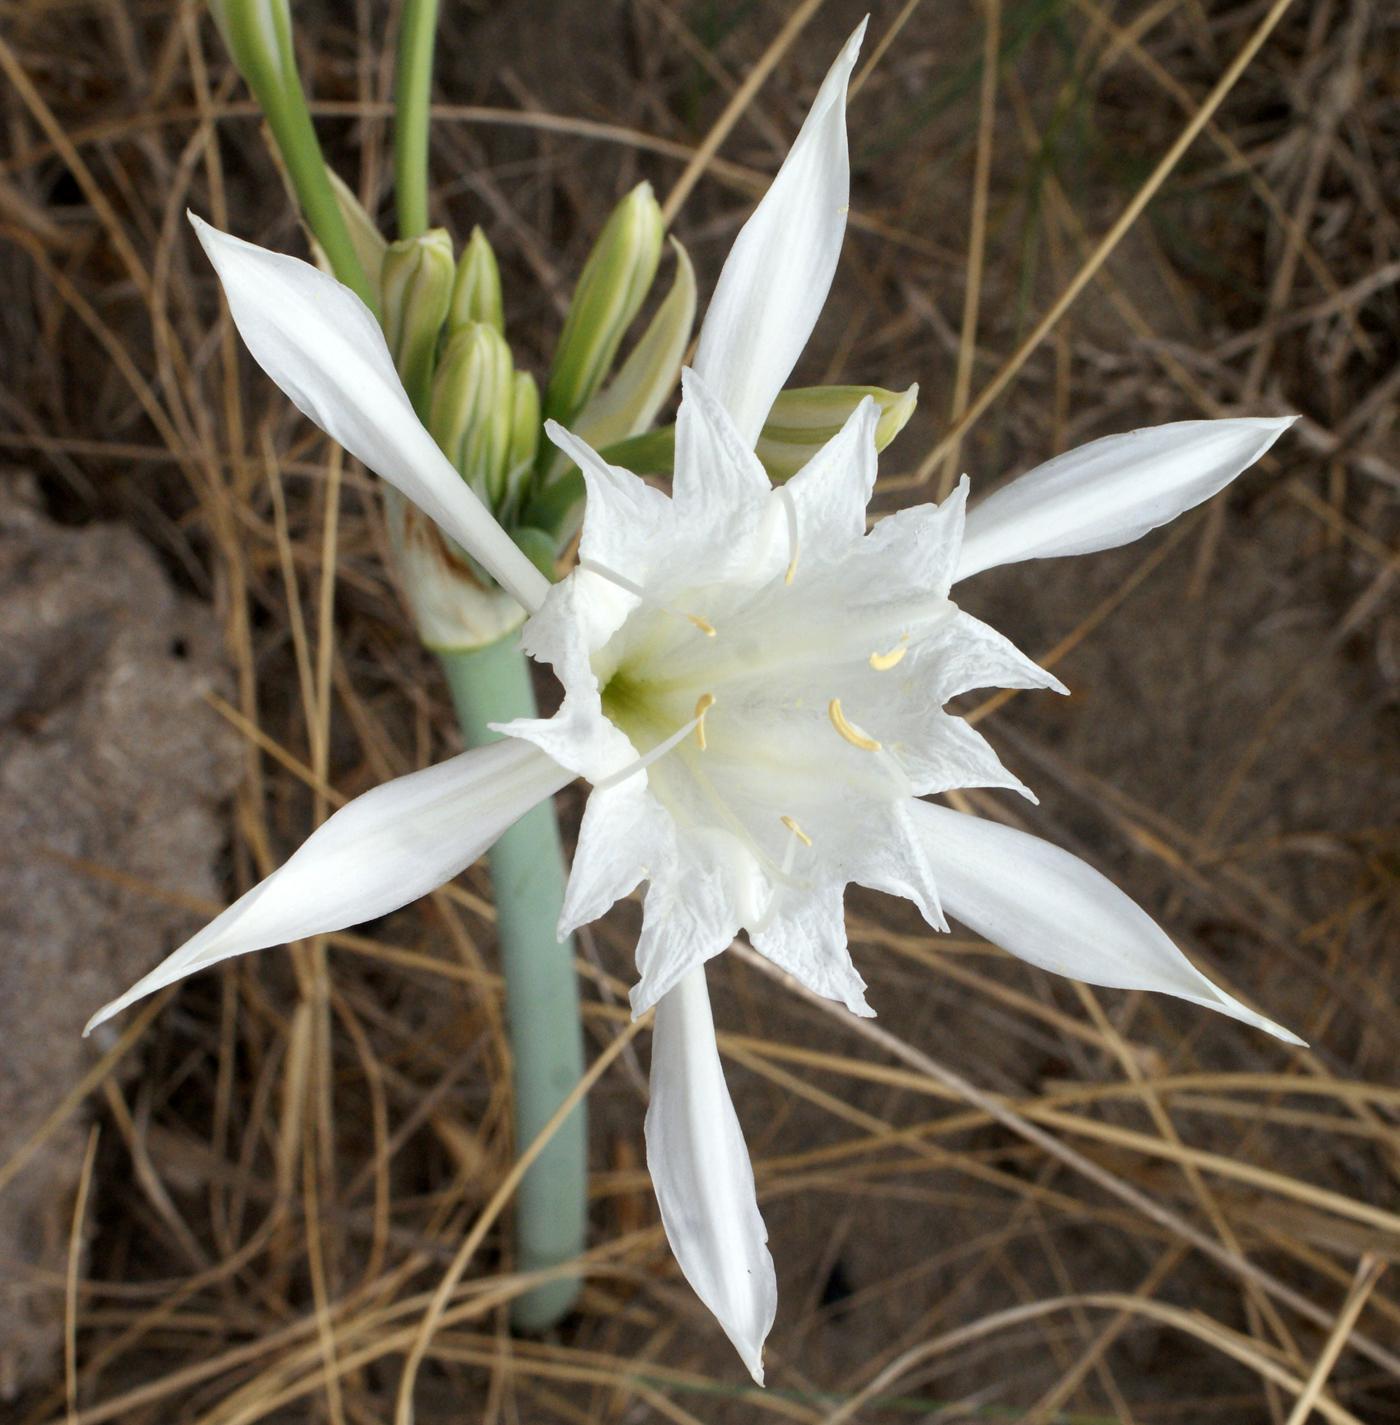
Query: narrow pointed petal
[323, 347]
[379, 852]
[1111, 491]
[779, 270]
[702, 1175]
[1055, 911]
[832, 489]
[622, 510]
[806, 936]
[621, 828]
[717, 474]
[694, 907]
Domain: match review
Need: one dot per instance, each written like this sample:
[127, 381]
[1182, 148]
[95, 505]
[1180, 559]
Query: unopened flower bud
[524, 446]
[472, 407]
[416, 285]
[525, 420]
[476, 294]
[804, 418]
[629, 403]
[610, 292]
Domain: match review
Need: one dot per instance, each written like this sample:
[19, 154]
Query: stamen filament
[794, 545]
[661, 748]
[637, 592]
[783, 878]
[848, 729]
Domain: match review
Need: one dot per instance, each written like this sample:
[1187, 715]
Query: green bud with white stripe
[610, 293]
[476, 293]
[629, 403]
[416, 280]
[471, 414]
[804, 418]
[524, 438]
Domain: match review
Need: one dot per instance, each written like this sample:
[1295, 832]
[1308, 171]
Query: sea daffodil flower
[753, 684]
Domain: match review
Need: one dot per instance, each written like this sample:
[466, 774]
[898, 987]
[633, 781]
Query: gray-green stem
[492, 684]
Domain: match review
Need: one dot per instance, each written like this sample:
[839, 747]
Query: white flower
[753, 685]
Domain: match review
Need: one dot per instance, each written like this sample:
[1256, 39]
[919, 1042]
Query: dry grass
[1009, 1197]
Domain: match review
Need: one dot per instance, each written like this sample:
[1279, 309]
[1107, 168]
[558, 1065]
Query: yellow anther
[848, 730]
[792, 568]
[883, 662]
[705, 627]
[796, 830]
[703, 704]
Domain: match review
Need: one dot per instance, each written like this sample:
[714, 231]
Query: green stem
[492, 684]
[283, 102]
[301, 151]
[412, 89]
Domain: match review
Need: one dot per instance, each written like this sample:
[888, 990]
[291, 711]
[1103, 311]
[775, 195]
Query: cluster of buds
[443, 316]
[444, 321]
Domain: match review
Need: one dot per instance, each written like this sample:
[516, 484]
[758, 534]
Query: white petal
[939, 752]
[323, 347]
[702, 1175]
[806, 936]
[898, 863]
[1055, 911]
[914, 552]
[832, 489]
[578, 613]
[616, 845]
[1111, 491]
[716, 473]
[779, 270]
[701, 885]
[624, 518]
[964, 653]
[388, 847]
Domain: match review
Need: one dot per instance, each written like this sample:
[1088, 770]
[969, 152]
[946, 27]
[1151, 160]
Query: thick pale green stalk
[492, 684]
[412, 88]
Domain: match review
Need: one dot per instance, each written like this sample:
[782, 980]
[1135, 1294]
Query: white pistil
[783, 876]
[848, 729]
[637, 592]
[696, 725]
[794, 545]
